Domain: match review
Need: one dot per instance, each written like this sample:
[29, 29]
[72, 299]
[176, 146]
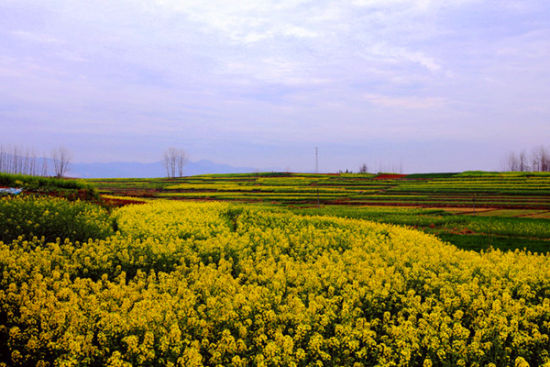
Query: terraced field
[462, 190]
[474, 210]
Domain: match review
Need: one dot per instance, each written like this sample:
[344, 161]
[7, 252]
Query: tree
[21, 160]
[523, 164]
[363, 168]
[174, 160]
[512, 162]
[44, 170]
[545, 160]
[180, 162]
[540, 159]
[61, 161]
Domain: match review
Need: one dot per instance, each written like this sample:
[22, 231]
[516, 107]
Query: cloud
[406, 102]
[36, 37]
[276, 71]
[399, 55]
[247, 22]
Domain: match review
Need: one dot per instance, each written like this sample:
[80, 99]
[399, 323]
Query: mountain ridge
[149, 170]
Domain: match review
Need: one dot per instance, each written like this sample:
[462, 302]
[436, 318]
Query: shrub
[72, 189]
[52, 218]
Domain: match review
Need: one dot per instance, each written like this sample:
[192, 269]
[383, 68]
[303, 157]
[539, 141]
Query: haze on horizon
[428, 85]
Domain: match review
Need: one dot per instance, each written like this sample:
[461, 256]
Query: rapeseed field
[220, 284]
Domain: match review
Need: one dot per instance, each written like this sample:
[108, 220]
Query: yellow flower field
[192, 284]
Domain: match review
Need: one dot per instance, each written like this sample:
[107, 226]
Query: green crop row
[528, 227]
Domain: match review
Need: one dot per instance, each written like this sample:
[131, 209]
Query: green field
[472, 210]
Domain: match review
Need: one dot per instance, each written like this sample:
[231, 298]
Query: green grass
[38, 184]
[404, 216]
[528, 227]
[512, 213]
[479, 242]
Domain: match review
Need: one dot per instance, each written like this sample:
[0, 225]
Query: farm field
[504, 190]
[181, 283]
[295, 273]
[472, 210]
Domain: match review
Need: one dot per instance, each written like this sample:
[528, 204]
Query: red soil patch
[120, 202]
[462, 231]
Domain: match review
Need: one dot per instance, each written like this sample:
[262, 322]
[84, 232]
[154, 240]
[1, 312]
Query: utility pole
[316, 160]
[317, 171]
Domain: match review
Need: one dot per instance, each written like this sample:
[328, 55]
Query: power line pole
[316, 160]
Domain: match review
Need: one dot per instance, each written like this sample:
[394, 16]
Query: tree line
[25, 161]
[537, 161]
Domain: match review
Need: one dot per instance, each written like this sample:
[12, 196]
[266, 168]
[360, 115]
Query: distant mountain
[146, 170]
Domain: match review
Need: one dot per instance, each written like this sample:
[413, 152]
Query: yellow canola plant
[189, 284]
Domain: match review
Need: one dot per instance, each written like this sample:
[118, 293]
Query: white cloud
[36, 37]
[405, 102]
[299, 32]
[411, 5]
[245, 21]
[399, 55]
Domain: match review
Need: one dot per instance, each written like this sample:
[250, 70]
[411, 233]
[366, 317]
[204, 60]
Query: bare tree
[541, 159]
[523, 165]
[61, 161]
[2, 158]
[535, 162]
[180, 162]
[34, 164]
[545, 161]
[11, 161]
[512, 162]
[170, 162]
[16, 161]
[20, 160]
[44, 170]
[29, 163]
[174, 160]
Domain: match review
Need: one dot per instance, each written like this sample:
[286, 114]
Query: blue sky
[427, 85]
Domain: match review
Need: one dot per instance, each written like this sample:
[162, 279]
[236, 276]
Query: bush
[53, 218]
[71, 189]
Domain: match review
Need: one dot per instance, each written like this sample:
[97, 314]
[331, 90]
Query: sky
[412, 86]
